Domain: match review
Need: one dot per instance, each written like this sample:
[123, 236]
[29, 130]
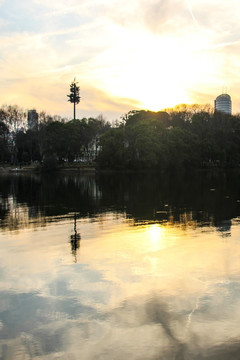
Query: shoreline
[35, 169]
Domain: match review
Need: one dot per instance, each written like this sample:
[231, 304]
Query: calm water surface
[120, 267]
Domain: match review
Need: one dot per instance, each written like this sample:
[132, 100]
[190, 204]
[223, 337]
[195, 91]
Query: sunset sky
[145, 54]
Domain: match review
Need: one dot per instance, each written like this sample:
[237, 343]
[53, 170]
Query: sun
[163, 98]
[155, 72]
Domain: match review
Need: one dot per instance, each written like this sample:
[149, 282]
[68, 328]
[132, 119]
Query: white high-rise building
[223, 103]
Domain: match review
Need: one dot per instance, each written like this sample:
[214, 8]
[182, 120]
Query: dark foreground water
[112, 267]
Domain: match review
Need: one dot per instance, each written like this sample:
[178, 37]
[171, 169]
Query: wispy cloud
[192, 14]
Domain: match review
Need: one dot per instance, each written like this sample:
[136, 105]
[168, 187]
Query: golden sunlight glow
[158, 72]
[155, 234]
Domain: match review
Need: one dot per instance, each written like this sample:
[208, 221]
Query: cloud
[158, 17]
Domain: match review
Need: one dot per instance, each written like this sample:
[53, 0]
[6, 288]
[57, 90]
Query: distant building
[32, 119]
[223, 103]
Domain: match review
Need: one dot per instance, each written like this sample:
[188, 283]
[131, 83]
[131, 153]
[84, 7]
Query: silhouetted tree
[113, 151]
[4, 151]
[74, 97]
[55, 140]
[13, 116]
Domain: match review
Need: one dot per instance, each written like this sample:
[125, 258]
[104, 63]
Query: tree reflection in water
[75, 239]
[33, 200]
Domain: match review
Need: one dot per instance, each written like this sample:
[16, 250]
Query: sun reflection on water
[155, 236]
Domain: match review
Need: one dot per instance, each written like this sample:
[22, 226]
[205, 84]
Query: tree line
[53, 138]
[183, 137]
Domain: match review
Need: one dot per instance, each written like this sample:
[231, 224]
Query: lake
[120, 266]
